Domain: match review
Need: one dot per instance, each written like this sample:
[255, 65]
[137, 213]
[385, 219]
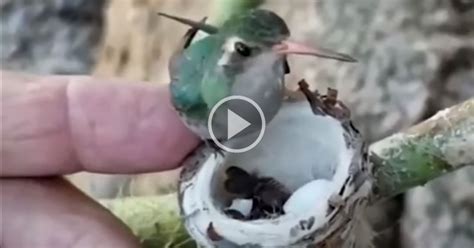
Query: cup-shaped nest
[301, 186]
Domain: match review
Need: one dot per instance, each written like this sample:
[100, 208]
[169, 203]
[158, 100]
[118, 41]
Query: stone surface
[50, 36]
[138, 43]
[441, 214]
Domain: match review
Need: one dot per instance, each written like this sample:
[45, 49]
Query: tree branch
[153, 219]
[437, 146]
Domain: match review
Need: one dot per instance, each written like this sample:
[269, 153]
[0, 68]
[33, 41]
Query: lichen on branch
[153, 219]
[425, 151]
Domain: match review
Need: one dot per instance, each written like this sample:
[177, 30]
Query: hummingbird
[246, 56]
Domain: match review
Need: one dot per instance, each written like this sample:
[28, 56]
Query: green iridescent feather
[257, 25]
[186, 87]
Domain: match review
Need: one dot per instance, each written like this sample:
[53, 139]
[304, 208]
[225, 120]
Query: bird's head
[246, 55]
[249, 35]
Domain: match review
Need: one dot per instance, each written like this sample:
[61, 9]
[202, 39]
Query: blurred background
[415, 58]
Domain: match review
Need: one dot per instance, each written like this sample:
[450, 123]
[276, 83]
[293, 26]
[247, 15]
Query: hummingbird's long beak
[291, 47]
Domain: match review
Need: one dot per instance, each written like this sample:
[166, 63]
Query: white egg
[311, 196]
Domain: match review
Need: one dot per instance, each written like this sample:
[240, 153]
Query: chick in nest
[267, 194]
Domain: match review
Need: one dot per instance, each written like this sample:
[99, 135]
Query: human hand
[58, 125]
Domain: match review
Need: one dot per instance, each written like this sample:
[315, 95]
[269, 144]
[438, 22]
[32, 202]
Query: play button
[236, 124]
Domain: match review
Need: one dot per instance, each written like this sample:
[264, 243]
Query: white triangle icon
[235, 124]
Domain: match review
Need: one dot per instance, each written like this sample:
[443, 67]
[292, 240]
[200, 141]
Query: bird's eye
[242, 49]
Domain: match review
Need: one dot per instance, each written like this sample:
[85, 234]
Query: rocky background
[415, 58]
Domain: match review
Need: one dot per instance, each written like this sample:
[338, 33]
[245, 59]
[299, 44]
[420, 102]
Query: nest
[300, 187]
